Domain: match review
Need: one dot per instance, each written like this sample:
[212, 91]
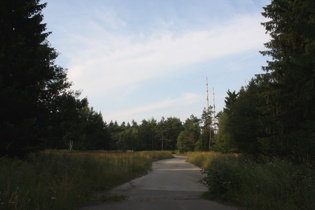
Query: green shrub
[276, 185]
[269, 184]
[223, 177]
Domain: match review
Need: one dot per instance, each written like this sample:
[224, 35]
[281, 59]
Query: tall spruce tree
[244, 123]
[29, 78]
[291, 76]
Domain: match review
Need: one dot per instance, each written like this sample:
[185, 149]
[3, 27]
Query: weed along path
[171, 185]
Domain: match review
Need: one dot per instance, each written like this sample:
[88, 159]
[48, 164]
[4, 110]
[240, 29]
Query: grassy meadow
[68, 180]
[264, 184]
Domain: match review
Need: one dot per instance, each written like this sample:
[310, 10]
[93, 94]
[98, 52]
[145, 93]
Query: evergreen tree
[185, 141]
[188, 138]
[222, 140]
[29, 78]
[291, 76]
[169, 130]
[66, 122]
[229, 101]
[244, 123]
[205, 141]
[148, 135]
[114, 131]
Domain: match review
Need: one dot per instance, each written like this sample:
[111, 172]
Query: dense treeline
[39, 110]
[31, 84]
[274, 115]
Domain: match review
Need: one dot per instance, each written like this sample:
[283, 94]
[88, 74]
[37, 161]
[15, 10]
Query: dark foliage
[291, 77]
[275, 114]
[29, 79]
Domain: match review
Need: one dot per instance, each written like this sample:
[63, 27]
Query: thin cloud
[110, 61]
[161, 108]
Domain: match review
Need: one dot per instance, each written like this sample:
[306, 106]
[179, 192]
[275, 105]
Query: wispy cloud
[108, 61]
[158, 109]
[111, 63]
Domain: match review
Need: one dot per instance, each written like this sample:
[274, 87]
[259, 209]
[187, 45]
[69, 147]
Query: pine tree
[29, 78]
[291, 76]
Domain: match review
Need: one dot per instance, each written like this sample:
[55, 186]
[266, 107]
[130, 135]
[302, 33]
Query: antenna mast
[214, 114]
[207, 108]
[213, 103]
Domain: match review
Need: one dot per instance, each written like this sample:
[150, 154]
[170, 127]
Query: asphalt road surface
[171, 185]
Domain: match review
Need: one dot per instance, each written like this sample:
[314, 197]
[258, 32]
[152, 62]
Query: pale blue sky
[138, 59]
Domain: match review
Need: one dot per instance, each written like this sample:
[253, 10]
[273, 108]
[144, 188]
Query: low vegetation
[273, 115]
[263, 184]
[66, 180]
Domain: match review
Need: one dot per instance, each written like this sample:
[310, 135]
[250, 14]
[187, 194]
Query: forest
[259, 150]
[273, 116]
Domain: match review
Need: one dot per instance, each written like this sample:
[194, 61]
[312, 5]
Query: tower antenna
[207, 108]
[213, 103]
[214, 114]
[246, 85]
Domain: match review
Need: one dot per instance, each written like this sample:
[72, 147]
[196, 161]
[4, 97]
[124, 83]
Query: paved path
[171, 185]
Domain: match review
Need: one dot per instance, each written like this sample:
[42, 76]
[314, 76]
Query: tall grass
[203, 159]
[63, 180]
[269, 184]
